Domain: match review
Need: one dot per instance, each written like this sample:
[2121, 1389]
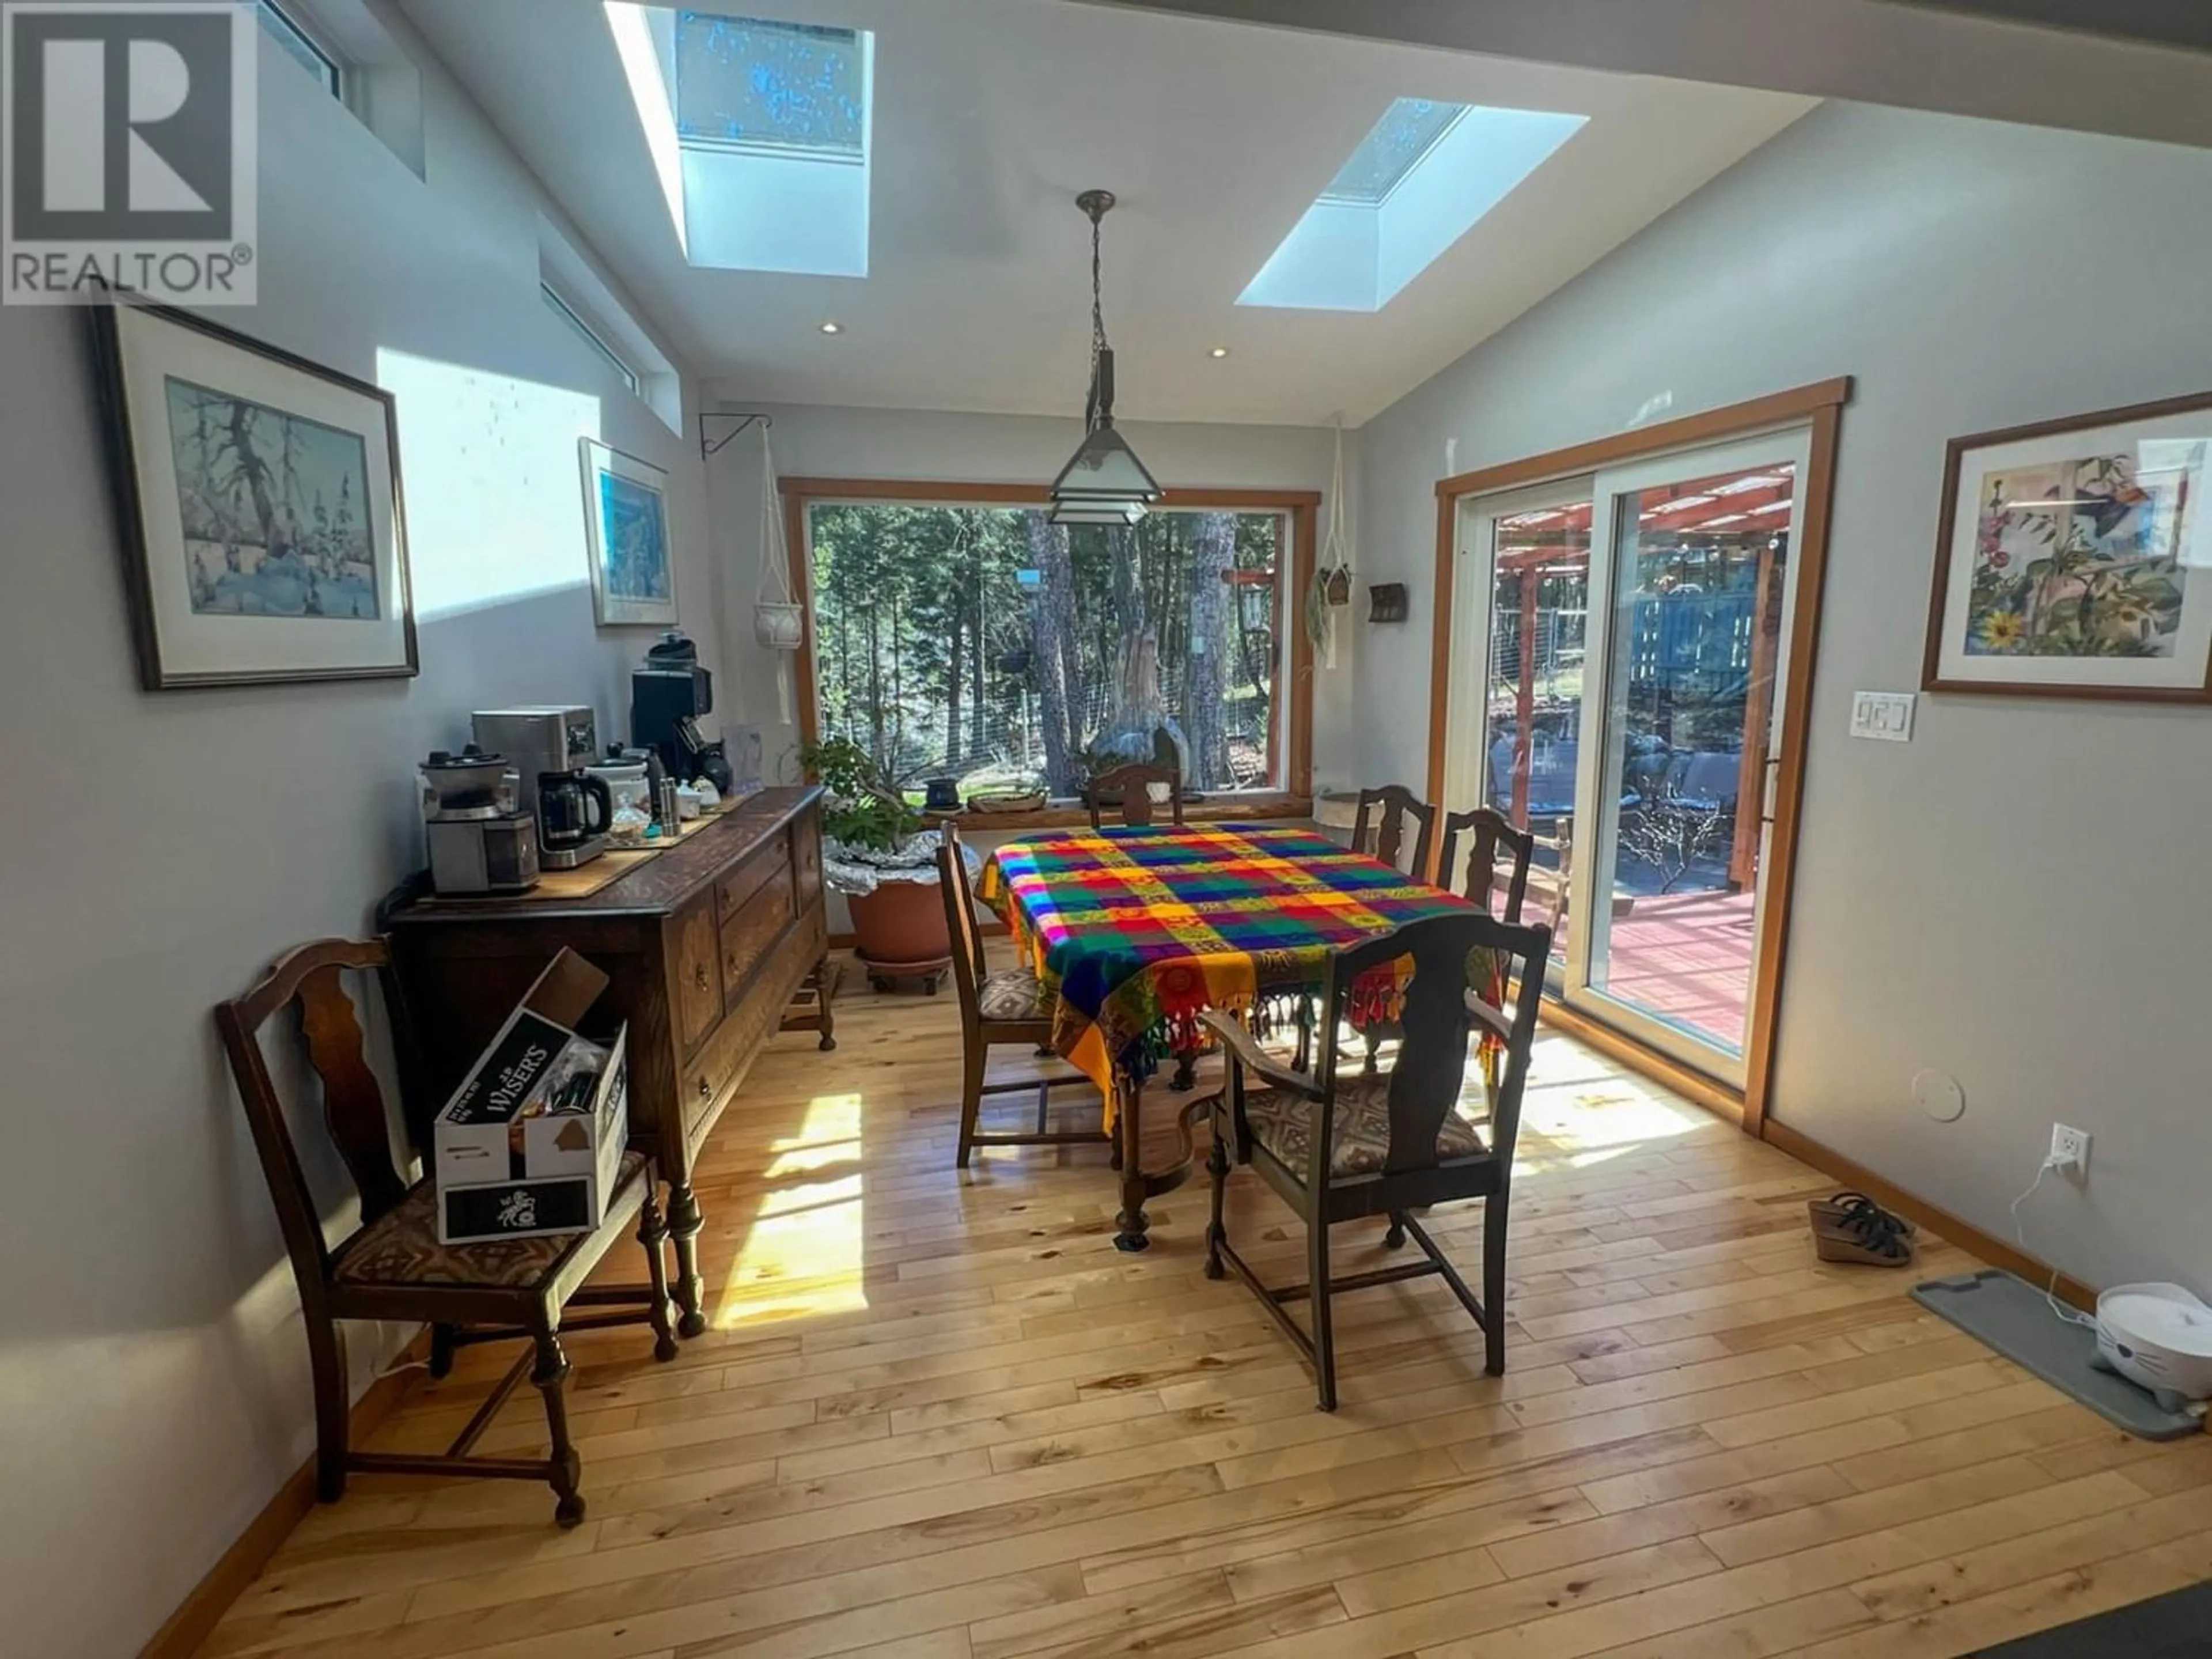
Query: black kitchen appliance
[574, 812]
[668, 692]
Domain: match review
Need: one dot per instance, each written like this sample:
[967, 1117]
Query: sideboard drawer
[747, 936]
[752, 1019]
[698, 972]
[806, 860]
[769, 869]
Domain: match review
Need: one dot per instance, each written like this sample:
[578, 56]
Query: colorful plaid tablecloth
[1139, 931]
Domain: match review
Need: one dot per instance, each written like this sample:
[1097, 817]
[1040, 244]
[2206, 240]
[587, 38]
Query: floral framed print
[625, 519]
[2074, 559]
[264, 538]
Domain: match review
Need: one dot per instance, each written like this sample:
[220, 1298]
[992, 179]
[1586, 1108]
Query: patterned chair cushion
[1016, 994]
[1360, 1141]
[401, 1247]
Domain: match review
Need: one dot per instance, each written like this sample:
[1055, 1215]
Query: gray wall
[2016, 897]
[163, 849]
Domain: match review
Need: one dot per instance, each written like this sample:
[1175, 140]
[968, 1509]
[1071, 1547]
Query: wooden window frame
[1301, 507]
[1820, 406]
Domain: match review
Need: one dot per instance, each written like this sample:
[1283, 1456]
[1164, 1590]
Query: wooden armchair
[1493, 834]
[1010, 1008]
[1336, 1147]
[1379, 827]
[1131, 785]
[392, 1266]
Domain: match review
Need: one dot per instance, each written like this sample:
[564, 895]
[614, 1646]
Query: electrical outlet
[2069, 1151]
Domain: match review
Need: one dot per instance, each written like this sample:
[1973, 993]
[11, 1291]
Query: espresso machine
[550, 747]
[481, 840]
[668, 693]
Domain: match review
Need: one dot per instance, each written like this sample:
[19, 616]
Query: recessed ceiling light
[832, 328]
[1219, 351]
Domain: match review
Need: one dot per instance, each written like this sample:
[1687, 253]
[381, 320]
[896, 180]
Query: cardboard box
[532, 1141]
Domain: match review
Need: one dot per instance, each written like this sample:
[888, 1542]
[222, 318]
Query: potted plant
[875, 856]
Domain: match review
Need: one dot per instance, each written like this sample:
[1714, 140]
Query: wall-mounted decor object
[2074, 559]
[264, 539]
[1386, 602]
[626, 523]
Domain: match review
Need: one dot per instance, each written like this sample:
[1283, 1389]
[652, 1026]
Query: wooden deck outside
[1687, 958]
[938, 1417]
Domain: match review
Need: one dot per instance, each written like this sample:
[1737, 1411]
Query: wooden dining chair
[1131, 785]
[1337, 1148]
[1493, 832]
[393, 1268]
[1009, 1008]
[1378, 830]
[1493, 835]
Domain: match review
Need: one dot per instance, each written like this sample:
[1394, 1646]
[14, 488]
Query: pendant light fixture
[1105, 482]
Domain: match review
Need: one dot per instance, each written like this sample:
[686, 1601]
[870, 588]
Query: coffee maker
[481, 840]
[547, 744]
[668, 693]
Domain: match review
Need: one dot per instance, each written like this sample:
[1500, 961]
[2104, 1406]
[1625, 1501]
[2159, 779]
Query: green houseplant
[886, 873]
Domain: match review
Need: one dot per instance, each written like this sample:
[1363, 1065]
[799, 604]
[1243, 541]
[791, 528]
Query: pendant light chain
[1104, 482]
[1098, 315]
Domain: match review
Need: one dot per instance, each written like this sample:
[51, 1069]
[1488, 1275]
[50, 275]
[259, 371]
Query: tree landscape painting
[274, 510]
[2084, 558]
[632, 540]
[626, 534]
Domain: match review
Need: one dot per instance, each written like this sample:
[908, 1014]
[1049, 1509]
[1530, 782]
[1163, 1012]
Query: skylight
[1423, 177]
[762, 132]
[750, 83]
[1400, 141]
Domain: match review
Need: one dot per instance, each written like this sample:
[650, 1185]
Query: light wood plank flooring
[938, 1417]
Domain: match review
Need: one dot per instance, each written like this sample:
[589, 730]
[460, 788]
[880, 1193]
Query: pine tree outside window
[982, 643]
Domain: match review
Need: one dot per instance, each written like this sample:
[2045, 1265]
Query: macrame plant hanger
[779, 621]
[1333, 571]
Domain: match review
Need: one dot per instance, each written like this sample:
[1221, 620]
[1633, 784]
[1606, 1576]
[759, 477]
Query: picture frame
[2074, 559]
[263, 527]
[626, 530]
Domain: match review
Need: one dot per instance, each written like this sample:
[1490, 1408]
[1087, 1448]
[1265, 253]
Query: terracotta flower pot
[902, 933]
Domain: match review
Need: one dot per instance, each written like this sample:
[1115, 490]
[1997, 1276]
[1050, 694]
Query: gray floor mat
[2176, 1626]
[2013, 1317]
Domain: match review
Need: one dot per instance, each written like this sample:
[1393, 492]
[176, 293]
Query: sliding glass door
[1632, 639]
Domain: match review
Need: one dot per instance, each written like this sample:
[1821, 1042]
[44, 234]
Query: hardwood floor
[938, 1417]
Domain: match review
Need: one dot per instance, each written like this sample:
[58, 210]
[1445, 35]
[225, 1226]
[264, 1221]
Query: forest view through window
[988, 646]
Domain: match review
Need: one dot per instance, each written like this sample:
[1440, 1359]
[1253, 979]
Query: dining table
[1135, 933]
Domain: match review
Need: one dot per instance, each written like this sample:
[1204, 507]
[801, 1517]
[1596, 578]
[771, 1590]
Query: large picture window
[974, 640]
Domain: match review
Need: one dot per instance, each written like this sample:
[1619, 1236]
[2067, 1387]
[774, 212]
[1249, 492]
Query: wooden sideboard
[705, 945]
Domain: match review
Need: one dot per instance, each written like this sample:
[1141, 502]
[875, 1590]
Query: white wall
[2016, 897]
[164, 849]
[823, 442]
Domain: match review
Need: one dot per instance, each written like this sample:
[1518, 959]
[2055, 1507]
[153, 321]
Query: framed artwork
[2074, 559]
[263, 537]
[626, 513]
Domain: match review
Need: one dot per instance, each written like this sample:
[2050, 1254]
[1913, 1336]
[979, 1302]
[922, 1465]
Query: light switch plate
[1884, 716]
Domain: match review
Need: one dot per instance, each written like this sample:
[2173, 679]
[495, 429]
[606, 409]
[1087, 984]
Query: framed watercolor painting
[626, 516]
[2074, 559]
[263, 537]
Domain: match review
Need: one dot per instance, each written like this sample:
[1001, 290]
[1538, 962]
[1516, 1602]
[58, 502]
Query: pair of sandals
[1852, 1228]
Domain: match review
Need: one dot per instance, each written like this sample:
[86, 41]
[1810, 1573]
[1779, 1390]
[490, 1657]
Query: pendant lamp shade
[1104, 482]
